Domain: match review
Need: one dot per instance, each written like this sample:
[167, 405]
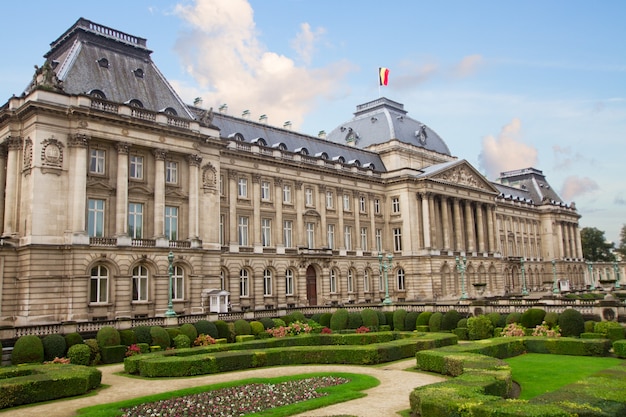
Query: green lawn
[540, 373]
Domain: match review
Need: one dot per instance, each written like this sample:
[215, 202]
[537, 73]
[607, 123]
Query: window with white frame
[244, 283]
[366, 281]
[381, 281]
[308, 197]
[364, 238]
[171, 222]
[178, 283]
[288, 233]
[222, 229]
[242, 188]
[222, 280]
[362, 204]
[287, 194]
[346, 202]
[333, 281]
[397, 239]
[266, 232]
[330, 236]
[400, 279]
[347, 237]
[242, 229]
[135, 170]
[376, 206]
[378, 237]
[395, 205]
[265, 191]
[97, 161]
[310, 235]
[350, 280]
[267, 282]
[99, 284]
[135, 220]
[330, 200]
[140, 283]
[171, 172]
[95, 217]
[289, 282]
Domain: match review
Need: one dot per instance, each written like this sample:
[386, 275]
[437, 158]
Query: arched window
[170, 111]
[366, 281]
[140, 283]
[333, 281]
[244, 283]
[178, 283]
[400, 279]
[135, 103]
[98, 94]
[267, 282]
[350, 280]
[222, 280]
[289, 282]
[103, 62]
[99, 284]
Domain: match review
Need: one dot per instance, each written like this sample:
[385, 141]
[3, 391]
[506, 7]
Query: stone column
[278, 206]
[469, 226]
[12, 178]
[458, 231]
[78, 145]
[481, 227]
[194, 162]
[579, 249]
[159, 192]
[372, 231]
[426, 219]
[431, 220]
[357, 221]
[321, 205]
[445, 220]
[559, 233]
[339, 238]
[121, 197]
[232, 209]
[3, 178]
[492, 227]
[256, 213]
[298, 204]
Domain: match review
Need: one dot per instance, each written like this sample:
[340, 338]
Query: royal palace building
[119, 197]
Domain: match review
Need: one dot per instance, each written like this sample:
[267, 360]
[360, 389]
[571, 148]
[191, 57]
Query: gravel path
[390, 396]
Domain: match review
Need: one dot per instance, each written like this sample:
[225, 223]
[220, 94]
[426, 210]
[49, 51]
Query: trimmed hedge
[209, 328]
[423, 318]
[571, 322]
[189, 330]
[79, 354]
[339, 319]
[54, 346]
[27, 349]
[619, 348]
[399, 318]
[160, 337]
[434, 322]
[108, 336]
[450, 320]
[113, 354]
[370, 319]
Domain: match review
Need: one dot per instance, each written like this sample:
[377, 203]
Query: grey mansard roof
[529, 185]
[381, 120]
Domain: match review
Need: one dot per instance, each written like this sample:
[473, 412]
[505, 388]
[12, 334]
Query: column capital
[278, 181]
[159, 154]
[233, 174]
[14, 142]
[256, 178]
[194, 160]
[78, 140]
[122, 147]
[298, 185]
[322, 188]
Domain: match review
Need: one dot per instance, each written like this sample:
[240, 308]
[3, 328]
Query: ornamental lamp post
[170, 272]
[555, 285]
[617, 278]
[385, 265]
[590, 268]
[524, 289]
[460, 266]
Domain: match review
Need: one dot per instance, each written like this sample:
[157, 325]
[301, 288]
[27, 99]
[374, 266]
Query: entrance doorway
[311, 285]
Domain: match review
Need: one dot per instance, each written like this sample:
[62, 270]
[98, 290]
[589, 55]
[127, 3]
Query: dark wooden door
[311, 285]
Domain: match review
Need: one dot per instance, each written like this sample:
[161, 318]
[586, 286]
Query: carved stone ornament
[52, 153]
[462, 176]
[209, 176]
[28, 153]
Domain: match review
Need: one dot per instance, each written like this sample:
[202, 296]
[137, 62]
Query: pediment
[139, 189]
[102, 185]
[172, 192]
[465, 175]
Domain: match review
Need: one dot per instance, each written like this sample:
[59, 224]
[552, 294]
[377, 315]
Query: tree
[595, 246]
[621, 249]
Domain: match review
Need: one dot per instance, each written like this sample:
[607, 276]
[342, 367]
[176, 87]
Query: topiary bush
[339, 320]
[189, 330]
[399, 317]
[95, 356]
[72, 339]
[222, 329]
[389, 318]
[257, 327]
[325, 319]
[434, 323]
[160, 337]
[571, 322]
[423, 318]
[142, 334]
[532, 317]
[268, 323]
[513, 318]
[589, 326]
[497, 319]
[609, 329]
[27, 349]
[279, 322]
[79, 354]
[370, 319]
[479, 327]
[54, 346]
[207, 328]
[242, 328]
[382, 319]
[182, 341]
[410, 320]
[551, 318]
[108, 336]
[316, 317]
[127, 337]
[354, 320]
[450, 320]
[295, 316]
[172, 333]
[462, 323]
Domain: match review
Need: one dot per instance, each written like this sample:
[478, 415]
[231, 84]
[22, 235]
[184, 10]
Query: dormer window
[170, 111]
[236, 136]
[340, 159]
[97, 94]
[138, 73]
[321, 155]
[280, 146]
[135, 103]
[302, 151]
[259, 141]
[103, 62]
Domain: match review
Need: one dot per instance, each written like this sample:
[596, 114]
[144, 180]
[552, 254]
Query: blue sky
[507, 85]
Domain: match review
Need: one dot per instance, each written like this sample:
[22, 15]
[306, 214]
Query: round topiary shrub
[316, 317]
[410, 320]
[108, 336]
[53, 347]
[532, 317]
[382, 319]
[222, 329]
[207, 328]
[551, 318]
[434, 323]
[94, 351]
[172, 332]
[370, 319]
[189, 330]
[142, 334]
[479, 327]
[160, 337]
[267, 322]
[497, 319]
[295, 316]
[72, 339]
[389, 318]
[339, 319]
[571, 322]
[79, 354]
[589, 326]
[127, 337]
[603, 327]
[423, 318]
[27, 349]
[279, 323]
[462, 323]
[257, 327]
[325, 319]
[450, 320]
[354, 320]
[513, 317]
[399, 317]
[242, 327]
[182, 341]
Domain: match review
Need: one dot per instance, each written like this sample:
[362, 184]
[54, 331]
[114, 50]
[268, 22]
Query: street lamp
[616, 270]
[170, 272]
[524, 289]
[385, 265]
[460, 266]
[590, 268]
[555, 285]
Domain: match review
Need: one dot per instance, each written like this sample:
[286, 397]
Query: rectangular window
[178, 284]
[171, 222]
[366, 281]
[289, 282]
[171, 172]
[330, 235]
[397, 239]
[266, 232]
[267, 282]
[95, 218]
[242, 188]
[395, 205]
[346, 202]
[243, 231]
[244, 283]
[135, 171]
[400, 280]
[135, 220]
[362, 204]
[379, 240]
[99, 284]
[350, 281]
[96, 161]
[221, 185]
[265, 191]
[364, 238]
[330, 203]
[288, 233]
[287, 194]
[310, 235]
[222, 228]
[347, 237]
[140, 283]
[333, 281]
[308, 197]
[376, 206]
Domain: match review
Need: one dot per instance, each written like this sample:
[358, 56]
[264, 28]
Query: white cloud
[468, 66]
[506, 152]
[304, 43]
[222, 52]
[574, 186]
